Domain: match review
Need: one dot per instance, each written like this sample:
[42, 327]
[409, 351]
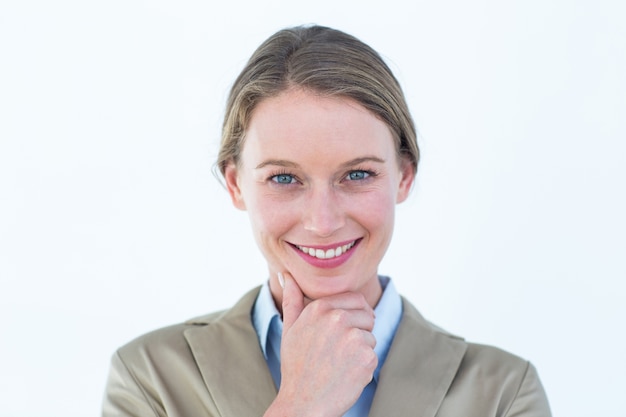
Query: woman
[318, 146]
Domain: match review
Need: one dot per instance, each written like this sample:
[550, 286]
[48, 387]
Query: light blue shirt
[269, 328]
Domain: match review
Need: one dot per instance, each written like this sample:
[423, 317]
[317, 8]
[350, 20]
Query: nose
[323, 214]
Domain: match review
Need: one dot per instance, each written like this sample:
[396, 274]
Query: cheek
[270, 219]
[383, 203]
[384, 213]
[376, 212]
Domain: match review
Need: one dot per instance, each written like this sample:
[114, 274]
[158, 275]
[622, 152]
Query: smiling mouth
[328, 253]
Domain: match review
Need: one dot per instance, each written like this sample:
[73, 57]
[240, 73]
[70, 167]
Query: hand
[327, 353]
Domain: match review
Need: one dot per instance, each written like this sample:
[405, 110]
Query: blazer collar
[226, 349]
[419, 369]
[417, 373]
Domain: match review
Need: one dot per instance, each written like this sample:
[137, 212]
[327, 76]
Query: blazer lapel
[419, 368]
[228, 355]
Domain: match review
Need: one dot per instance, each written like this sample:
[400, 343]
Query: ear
[231, 177]
[407, 177]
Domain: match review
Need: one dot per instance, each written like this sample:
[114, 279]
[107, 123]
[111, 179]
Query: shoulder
[162, 354]
[492, 363]
[172, 339]
[158, 370]
[511, 383]
[166, 338]
[505, 384]
[474, 354]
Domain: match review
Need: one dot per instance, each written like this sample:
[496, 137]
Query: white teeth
[330, 253]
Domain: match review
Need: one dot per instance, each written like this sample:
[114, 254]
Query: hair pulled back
[325, 61]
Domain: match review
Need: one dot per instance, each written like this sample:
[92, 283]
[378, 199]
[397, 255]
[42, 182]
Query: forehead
[301, 122]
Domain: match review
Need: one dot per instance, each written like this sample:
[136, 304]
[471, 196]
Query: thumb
[293, 300]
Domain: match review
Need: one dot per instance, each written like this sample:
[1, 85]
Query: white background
[111, 223]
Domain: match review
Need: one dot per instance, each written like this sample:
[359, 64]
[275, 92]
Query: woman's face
[320, 177]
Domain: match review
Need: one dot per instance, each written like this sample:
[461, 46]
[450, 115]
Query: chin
[319, 286]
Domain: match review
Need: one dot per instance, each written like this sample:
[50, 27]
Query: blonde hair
[328, 62]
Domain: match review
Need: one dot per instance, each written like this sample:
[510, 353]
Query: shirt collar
[262, 314]
[388, 314]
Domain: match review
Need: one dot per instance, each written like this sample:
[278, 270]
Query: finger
[293, 301]
[347, 301]
[358, 319]
[368, 338]
[340, 318]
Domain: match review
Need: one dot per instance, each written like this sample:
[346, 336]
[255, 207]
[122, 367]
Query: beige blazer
[213, 366]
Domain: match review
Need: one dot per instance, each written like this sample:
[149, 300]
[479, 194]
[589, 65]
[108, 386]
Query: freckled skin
[312, 138]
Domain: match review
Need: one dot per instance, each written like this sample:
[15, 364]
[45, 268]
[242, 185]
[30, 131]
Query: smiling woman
[318, 147]
[346, 202]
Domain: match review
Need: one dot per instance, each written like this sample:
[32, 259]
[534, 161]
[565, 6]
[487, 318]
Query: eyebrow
[277, 162]
[288, 164]
[360, 160]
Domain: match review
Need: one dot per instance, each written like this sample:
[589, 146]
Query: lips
[328, 256]
[327, 253]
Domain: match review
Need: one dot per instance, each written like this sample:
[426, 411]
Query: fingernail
[281, 280]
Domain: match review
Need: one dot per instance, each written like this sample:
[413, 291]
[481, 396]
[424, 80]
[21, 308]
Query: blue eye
[358, 175]
[283, 179]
